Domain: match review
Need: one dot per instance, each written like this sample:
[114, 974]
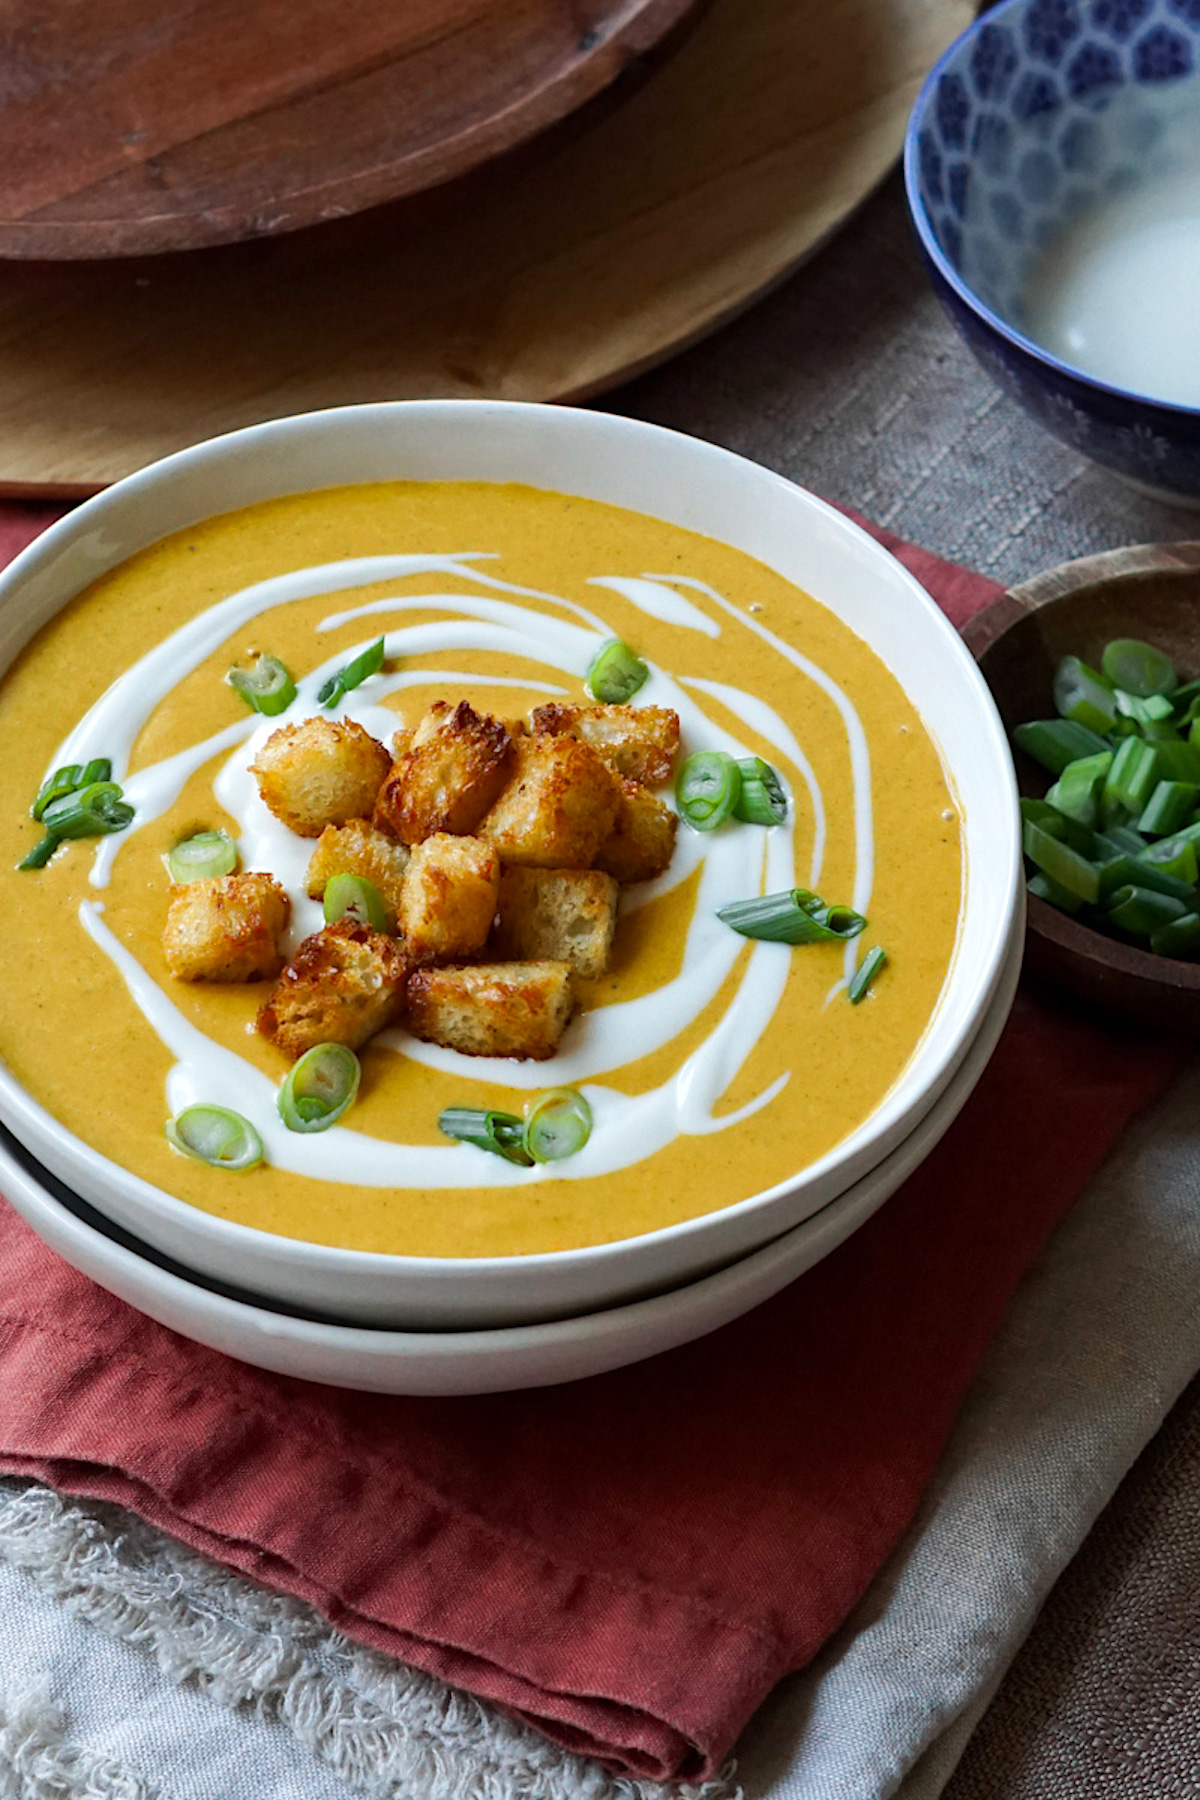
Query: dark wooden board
[137, 126]
[1150, 592]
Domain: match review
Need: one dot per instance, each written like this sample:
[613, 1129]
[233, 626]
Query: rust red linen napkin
[631, 1562]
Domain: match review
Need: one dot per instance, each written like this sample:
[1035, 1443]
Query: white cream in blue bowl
[1053, 174]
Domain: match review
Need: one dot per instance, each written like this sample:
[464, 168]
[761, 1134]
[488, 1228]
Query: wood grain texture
[726, 168]
[136, 126]
[1150, 592]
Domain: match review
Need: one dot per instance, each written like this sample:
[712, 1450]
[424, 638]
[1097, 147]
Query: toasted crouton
[557, 810]
[565, 914]
[638, 742]
[446, 775]
[359, 848]
[321, 772]
[449, 898]
[226, 928]
[493, 1009]
[345, 983]
[642, 840]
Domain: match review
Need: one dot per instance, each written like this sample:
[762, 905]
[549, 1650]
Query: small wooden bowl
[1151, 592]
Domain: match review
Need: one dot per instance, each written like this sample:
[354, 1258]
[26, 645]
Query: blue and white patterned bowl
[1042, 107]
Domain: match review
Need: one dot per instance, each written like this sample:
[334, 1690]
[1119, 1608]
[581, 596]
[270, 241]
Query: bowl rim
[38, 1124]
[919, 215]
[1024, 602]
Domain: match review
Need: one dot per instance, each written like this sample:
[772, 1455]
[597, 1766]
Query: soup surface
[715, 1066]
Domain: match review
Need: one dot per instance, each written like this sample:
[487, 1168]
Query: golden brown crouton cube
[359, 848]
[565, 914]
[493, 1009]
[557, 810]
[226, 928]
[321, 772]
[345, 983]
[642, 840]
[449, 898]
[446, 775]
[638, 742]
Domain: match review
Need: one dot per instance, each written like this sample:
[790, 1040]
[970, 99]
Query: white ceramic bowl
[487, 1362]
[686, 483]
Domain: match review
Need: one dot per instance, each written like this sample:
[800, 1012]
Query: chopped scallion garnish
[503, 1134]
[266, 685]
[1137, 668]
[320, 1088]
[558, 1124]
[41, 853]
[215, 1135]
[368, 662]
[795, 916]
[89, 812]
[707, 789]
[865, 974]
[615, 673]
[353, 897]
[202, 857]
[1081, 693]
[762, 800]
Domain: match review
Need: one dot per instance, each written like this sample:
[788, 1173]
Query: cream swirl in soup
[713, 1066]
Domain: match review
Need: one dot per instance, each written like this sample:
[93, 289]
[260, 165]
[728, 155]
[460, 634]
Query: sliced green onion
[795, 916]
[865, 974]
[1173, 856]
[216, 1136]
[1180, 938]
[557, 1125]
[1056, 742]
[1135, 871]
[320, 1088]
[1077, 791]
[1043, 888]
[90, 812]
[1134, 774]
[762, 800]
[1064, 865]
[265, 685]
[1171, 805]
[499, 1132]
[1141, 911]
[1057, 824]
[1152, 711]
[1137, 667]
[353, 897]
[41, 853]
[615, 674]
[707, 789]
[200, 858]
[1120, 839]
[1178, 761]
[63, 781]
[1082, 694]
[368, 662]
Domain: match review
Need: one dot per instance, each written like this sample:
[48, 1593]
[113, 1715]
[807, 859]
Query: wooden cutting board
[728, 166]
[132, 126]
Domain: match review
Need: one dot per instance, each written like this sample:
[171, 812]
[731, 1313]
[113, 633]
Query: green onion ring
[557, 1125]
[89, 812]
[202, 857]
[707, 789]
[615, 673]
[353, 897]
[266, 685]
[320, 1088]
[865, 974]
[794, 916]
[368, 662]
[41, 853]
[216, 1136]
[501, 1133]
[763, 800]
[1136, 667]
[55, 787]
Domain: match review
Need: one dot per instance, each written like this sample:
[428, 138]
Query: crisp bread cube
[449, 898]
[320, 772]
[493, 1009]
[642, 840]
[226, 928]
[639, 742]
[359, 848]
[558, 808]
[345, 983]
[567, 915]
[446, 773]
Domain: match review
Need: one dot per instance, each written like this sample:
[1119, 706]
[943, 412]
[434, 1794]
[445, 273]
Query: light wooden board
[730, 165]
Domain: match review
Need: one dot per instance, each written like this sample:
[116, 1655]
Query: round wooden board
[202, 125]
[734, 161]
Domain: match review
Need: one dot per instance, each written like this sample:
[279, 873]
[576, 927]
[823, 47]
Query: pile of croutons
[497, 847]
